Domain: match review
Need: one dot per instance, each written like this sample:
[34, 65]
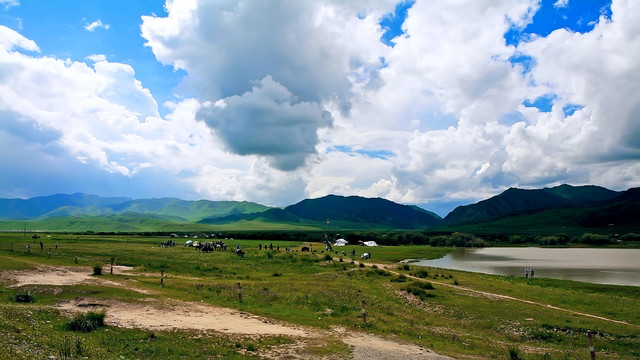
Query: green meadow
[459, 314]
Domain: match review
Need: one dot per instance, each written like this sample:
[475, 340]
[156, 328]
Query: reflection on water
[601, 266]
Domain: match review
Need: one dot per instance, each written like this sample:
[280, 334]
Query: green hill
[558, 209]
[351, 212]
[60, 205]
[617, 215]
[518, 201]
[41, 205]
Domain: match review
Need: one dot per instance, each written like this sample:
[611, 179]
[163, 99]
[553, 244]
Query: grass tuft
[420, 290]
[97, 269]
[514, 354]
[86, 322]
[23, 297]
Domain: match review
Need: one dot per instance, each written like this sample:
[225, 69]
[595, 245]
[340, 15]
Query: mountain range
[565, 205]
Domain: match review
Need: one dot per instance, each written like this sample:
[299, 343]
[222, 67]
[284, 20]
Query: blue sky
[60, 29]
[419, 102]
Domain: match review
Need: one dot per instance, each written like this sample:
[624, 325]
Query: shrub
[420, 289]
[97, 269]
[514, 354]
[23, 297]
[422, 294]
[80, 324]
[422, 273]
[595, 239]
[406, 267]
[378, 272]
[328, 257]
[96, 317]
[269, 255]
[424, 285]
[630, 237]
[399, 278]
[86, 322]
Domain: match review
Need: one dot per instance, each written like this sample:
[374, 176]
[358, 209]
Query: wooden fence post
[239, 292]
[364, 313]
[49, 254]
[11, 247]
[76, 258]
[592, 350]
[161, 278]
[111, 271]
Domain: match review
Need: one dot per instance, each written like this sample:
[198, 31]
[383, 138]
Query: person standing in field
[531, 271]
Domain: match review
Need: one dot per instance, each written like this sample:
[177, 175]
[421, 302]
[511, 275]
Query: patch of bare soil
[424, 305]
[65, 275]
[177, 315]
[367, 346]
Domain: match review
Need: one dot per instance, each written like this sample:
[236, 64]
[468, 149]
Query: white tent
[340, 242]
[370, 243]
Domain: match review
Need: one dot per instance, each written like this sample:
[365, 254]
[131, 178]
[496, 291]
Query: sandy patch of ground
[177, 315]
[171, 315]
[66, 275]
[367, 346]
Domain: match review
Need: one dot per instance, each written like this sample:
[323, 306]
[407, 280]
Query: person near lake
[531, 271]
[526, 272]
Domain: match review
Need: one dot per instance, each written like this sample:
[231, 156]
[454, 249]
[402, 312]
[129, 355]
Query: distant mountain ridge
[345, 211]
[61, 205]
[580, 207]
[617, 215]
[517, 201]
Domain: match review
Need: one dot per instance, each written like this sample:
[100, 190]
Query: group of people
[269, 247]
[41, 246]
[528, 272]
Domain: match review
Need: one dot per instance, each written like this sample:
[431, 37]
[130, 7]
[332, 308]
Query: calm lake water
[600, 266]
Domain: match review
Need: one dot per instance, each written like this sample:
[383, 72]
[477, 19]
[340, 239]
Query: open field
[294, 305]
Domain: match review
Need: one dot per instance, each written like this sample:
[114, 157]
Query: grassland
[465, 315]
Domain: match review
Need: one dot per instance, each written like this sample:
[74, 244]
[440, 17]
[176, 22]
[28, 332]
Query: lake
[600, 266]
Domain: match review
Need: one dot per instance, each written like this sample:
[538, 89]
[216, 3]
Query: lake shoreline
[586, 264]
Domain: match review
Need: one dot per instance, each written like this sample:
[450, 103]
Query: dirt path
[170, 315]
[500, 296]
[178, 315]
[366, 346]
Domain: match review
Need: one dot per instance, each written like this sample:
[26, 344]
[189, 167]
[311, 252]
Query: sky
[433, 103]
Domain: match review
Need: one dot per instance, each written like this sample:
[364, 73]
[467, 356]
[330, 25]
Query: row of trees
[456, 239]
